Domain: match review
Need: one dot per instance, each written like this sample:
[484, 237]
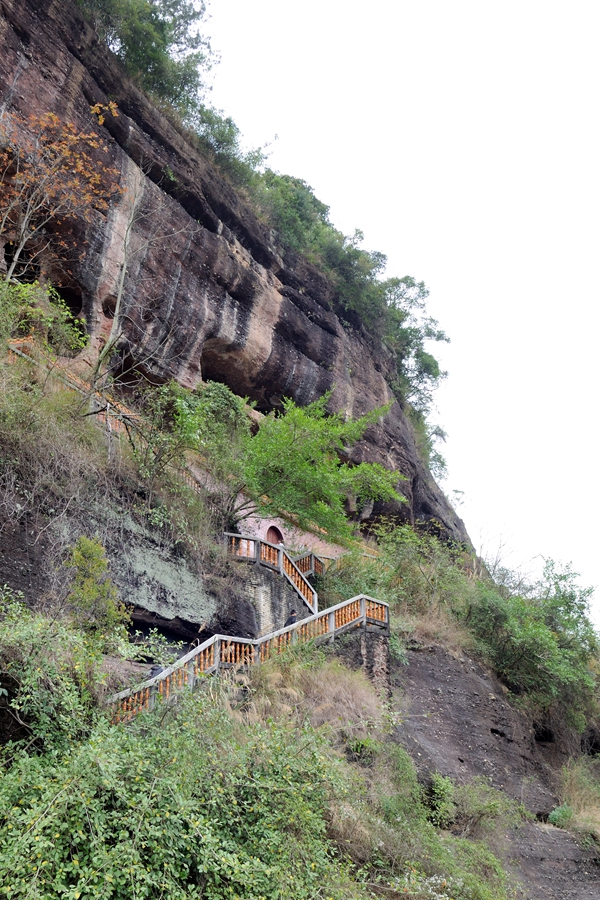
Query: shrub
[542, 643]
[561, 816]
[47, 675]
[40, 312]
[441, 801]
[171, 807]
[92, 598]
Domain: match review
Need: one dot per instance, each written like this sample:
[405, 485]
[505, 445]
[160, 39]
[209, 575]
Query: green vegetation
[443, 807]
[47, 678]
[92, 598]
[290, 464]
[580, 798]
[537, 637]
[281, 782]
[160, 44]
[40, 312]
[230, 793]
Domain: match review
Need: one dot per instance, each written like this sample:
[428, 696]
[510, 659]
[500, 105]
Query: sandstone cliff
[208, 294]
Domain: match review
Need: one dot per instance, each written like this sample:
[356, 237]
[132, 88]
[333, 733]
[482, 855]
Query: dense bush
[158, 43]
[225, 795]
[542, 643]
[47, 678]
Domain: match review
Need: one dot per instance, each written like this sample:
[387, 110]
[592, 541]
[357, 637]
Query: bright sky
[463, 139]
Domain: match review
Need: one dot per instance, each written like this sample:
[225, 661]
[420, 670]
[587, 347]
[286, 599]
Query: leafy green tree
[291, 464]
[293, 210]
[294, 465]
[158, 42]
[407, 329]
[218, 133]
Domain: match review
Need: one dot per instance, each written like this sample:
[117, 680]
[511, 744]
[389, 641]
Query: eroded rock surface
[208, 293]
[457, 721]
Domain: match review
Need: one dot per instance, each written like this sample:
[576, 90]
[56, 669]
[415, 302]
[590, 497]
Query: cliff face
[207, 293]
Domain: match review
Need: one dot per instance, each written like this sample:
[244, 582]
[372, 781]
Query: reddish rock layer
[207, 293]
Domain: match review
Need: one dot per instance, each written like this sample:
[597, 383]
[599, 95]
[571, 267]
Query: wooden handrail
[223, 651]
[273, 556]
[310, 564]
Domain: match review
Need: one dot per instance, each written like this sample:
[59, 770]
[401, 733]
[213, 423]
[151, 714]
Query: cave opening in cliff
[27, 269]
[109, 306]
[543, 733]
[590, 741]
[219, 363]
[72, 297]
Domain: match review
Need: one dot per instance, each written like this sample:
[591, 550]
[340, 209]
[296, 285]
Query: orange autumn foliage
[49, 172]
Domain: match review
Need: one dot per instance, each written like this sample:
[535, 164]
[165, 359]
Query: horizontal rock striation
[208, 294]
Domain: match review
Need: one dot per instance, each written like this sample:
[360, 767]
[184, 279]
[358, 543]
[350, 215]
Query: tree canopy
[291, 464]
[158, 42]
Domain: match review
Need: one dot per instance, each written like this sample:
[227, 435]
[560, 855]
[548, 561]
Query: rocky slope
[457, 721]
[208, 294]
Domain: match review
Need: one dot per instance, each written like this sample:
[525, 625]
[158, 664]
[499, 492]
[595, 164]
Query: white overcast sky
[463, 139]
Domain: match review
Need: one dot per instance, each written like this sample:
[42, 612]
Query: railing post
[280, 552]
[217, 655]
[191, 676]
[315, 602]
[363, 610]
[331, 627]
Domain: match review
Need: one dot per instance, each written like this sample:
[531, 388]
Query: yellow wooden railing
[275, 557]
[224, 652]
[310, 564]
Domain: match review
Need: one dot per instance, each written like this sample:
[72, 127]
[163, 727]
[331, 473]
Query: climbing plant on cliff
[50, 172]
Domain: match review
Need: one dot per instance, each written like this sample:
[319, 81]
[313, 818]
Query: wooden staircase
[225, 652]
[275, 557]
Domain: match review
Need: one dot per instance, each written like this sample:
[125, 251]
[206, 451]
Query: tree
[407, 329]
[291, 464]
[93, 598]
[294, 464]
[49, 173]
[158, 43]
